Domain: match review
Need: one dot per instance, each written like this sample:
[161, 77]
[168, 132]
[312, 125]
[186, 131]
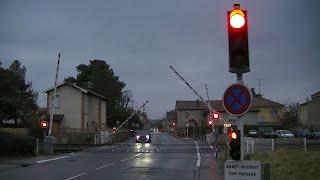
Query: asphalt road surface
[165, 158]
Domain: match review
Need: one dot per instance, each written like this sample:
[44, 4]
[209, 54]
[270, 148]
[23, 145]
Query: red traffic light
[237, 18]
[234, 135]
[44, 124]
[216, 115]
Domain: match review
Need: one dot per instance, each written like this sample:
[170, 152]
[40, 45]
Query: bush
[16, 144]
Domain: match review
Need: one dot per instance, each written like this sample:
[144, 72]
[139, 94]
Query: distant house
[309, 112]
[194, 114]
[76, 108]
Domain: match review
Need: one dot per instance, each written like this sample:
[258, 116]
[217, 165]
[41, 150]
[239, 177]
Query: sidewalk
[14, 162]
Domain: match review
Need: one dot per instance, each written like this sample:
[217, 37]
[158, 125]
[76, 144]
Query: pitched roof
[257, 102]
[317, 94]
[82, 89]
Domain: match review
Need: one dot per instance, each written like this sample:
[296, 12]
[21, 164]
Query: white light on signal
[237, 20]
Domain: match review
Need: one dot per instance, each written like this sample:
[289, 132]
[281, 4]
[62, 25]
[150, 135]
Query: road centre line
[131, 157]
[110, 164]
[198, 155]
[73, 177]
[52, 159]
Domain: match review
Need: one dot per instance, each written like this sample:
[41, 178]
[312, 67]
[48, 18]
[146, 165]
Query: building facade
[309, 112]
[76, 108]
[192, 115]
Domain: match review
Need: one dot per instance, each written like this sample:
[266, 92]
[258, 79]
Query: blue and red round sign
[237, 99]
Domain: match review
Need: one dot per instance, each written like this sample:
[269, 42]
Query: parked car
[253, 133]
[283, 134]
[316, 134]
[266, 132]
[302, 133]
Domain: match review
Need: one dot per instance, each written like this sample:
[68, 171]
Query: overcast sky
[141, 38]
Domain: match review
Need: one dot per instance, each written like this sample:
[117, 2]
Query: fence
[253, 145]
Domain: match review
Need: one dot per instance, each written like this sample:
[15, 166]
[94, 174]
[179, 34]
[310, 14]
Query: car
[143, 137]
[283, 134]
[266, 132]
[253, 133]
[316, 134]
[302, 133]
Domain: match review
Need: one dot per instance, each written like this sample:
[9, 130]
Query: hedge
[16, 144]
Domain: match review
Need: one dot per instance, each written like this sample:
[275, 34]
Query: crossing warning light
[44, 124]
[216, 115]
[238, 40]
[235, 145]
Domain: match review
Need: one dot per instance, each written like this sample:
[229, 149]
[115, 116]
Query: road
[166, 157]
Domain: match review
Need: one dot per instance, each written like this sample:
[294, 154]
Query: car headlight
[147, 136]
[138, 137]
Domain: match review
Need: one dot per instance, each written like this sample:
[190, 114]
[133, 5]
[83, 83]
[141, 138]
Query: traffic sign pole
[240, 122]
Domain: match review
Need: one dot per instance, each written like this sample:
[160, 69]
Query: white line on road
[105, 166]
[131, 157]
[104, 147]
[198, 155]
[52, 159]
[73, 177]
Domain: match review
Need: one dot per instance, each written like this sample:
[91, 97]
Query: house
[76, 108]
[194, 114]
[309, 112]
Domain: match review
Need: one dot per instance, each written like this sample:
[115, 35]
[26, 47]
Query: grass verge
[291, 164]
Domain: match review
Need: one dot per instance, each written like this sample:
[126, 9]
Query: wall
[70, 106]
[93, 109]
[266, 115]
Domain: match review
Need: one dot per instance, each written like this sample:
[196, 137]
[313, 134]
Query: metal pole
[252, 144]
[240, 81]
[305, 144]
[54, 97]
[193, 131]
[247, 146]
[272, 144]
[187, 131]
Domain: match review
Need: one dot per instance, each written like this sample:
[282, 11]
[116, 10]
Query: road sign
[237, 99]
[44, 124]
[249, 170]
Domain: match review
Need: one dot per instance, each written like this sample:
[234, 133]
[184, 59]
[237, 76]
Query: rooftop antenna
[259, 80]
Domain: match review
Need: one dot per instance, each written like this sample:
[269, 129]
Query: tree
[290, 116]
[17, 98]
[99, 77]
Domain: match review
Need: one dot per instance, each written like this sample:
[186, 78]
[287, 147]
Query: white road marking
[105, 166]
[198, 155]
[73, 177]
[104, 147]
[131, 157]
[52, 159]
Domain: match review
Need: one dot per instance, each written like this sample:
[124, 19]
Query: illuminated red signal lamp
[234, 135]
[216, 115]
[237, 18]
[44, 124]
